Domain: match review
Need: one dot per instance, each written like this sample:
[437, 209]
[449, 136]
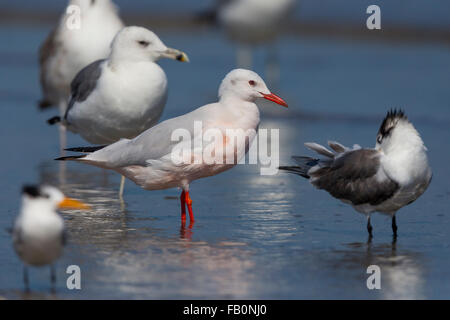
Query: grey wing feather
[320, 149]
[337, 147]
[355, 176]
[84, 83]
[304, 164]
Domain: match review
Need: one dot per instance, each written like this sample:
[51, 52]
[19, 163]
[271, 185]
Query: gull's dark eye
[252, 83]
[144, 43]
[379, 138]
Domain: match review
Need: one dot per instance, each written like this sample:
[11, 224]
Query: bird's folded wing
[356, 176]
[153, 144]
[84, 83]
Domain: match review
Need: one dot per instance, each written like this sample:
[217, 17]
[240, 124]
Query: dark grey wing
[84, 83]
[355, 176]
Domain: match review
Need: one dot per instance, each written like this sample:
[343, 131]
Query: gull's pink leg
[183, 207]
[189, 205]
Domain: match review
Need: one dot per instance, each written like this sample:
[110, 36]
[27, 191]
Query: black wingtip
[296, 170]
[54, 120]
[86, 149]
[70, 158]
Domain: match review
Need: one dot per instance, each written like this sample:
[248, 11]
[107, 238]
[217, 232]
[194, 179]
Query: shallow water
[271, 237]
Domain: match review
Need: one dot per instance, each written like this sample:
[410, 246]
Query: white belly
[123, 105]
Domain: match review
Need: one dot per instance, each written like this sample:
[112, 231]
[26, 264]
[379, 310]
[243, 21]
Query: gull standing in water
[83, 35]
[38, 233]
[148, 159]
[123, 95]
[383, 179]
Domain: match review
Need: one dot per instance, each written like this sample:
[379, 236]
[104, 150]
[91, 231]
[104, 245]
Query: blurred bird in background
[38, 233]
[83, 35]
[250, 23]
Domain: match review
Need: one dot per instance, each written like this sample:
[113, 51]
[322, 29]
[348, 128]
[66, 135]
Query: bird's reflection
[123, 255]
[186, 233]
[401, 270]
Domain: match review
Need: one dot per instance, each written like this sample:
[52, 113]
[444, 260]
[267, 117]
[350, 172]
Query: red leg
[189, 205]
[183, 207]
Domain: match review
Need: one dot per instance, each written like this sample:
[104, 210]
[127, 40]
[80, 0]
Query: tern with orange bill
[38, 233]
[150, 160]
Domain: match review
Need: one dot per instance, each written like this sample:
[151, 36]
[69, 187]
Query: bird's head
[397, 133]
[51, 197]
[140, 44]
[248, 86]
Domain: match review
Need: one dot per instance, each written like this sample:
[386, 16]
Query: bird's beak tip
[183, 57]
[274, 98]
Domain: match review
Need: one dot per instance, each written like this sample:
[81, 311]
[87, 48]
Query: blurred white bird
[38, 233]
[251, 23]
[148, 159]
[383, 179]
[123, 95]
[83, 35]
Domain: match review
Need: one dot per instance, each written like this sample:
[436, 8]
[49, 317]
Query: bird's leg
[122, 185]
[183, 207]
[189, 205]
[25, 279]
[394, 226]
[62, 129]
[53, 276]
[369, 227]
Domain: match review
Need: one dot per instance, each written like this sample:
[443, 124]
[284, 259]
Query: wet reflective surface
[271, 237]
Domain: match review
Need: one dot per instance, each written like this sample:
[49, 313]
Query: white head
[397, 134]
[85, 5]
[140, 44]
[246, 85]
[49, 197]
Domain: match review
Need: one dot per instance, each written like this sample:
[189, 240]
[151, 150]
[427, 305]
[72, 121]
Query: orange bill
[69, 203]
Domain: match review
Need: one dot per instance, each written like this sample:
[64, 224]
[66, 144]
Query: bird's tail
[304, 164]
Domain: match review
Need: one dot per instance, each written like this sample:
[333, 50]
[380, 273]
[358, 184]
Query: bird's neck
[245, 112]
[117, 61]
[37, 209]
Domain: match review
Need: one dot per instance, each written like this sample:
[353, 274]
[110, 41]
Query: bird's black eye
[379, 138]
[92, 2]
[144, 43]
[252, 83]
